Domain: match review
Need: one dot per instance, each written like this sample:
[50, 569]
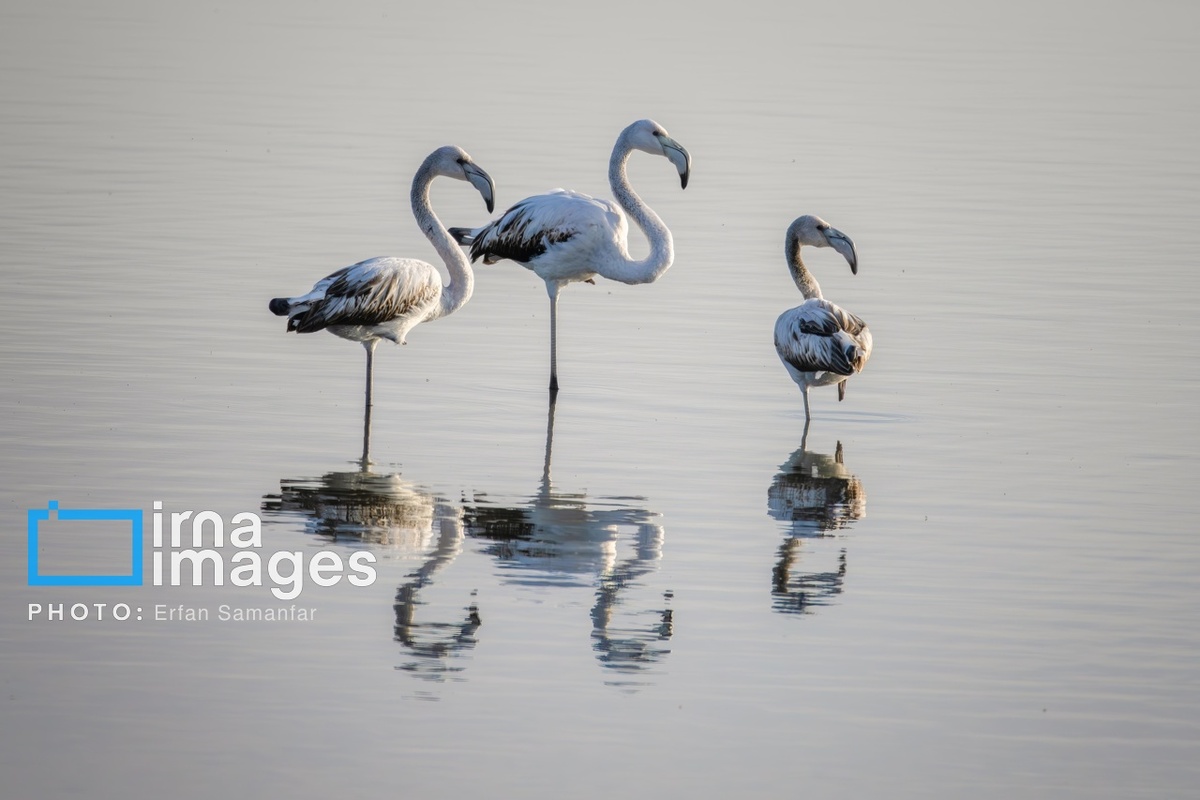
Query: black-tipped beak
[678, 155]
[842, 243]
[483, 183]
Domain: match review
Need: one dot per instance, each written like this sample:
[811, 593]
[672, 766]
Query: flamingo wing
[537, 224]
[367, 293]
[818, 336]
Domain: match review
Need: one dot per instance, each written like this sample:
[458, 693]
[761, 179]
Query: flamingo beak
[842, 243]
[677, 155]
[482, 182]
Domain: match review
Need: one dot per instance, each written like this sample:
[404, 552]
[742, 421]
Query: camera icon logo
[102, 534]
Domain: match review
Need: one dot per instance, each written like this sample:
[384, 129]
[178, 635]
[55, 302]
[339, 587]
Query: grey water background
[978, 578]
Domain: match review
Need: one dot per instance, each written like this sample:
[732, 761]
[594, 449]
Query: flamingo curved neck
[804, 279]
[462, 281]
[662, 247]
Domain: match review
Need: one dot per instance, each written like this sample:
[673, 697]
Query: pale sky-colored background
[1018, 611]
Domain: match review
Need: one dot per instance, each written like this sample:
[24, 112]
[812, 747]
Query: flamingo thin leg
[552, 289]
[370, 348]
[549, 445]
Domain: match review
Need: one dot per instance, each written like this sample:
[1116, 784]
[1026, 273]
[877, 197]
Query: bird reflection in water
[817, 497]
[566, 539]
[391, 513]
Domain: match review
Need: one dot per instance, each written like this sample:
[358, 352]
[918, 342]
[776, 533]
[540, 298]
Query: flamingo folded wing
[537, 224]
[367, 293]
[818, 336]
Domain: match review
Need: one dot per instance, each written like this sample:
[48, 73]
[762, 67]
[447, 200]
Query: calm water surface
[976, 576]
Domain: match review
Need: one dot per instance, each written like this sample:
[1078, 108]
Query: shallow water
[976, 575]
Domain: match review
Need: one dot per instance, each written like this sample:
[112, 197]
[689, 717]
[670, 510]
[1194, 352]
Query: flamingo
[384, 298]
[818, 342]
[565, 236]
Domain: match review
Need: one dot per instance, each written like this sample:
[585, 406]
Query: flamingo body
[380, 298]
[556, 235]
[820, 338]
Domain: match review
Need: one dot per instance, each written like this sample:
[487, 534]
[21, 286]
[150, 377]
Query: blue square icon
[52, 513]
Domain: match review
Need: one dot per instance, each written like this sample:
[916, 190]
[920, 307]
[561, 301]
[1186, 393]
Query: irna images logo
[104, 547]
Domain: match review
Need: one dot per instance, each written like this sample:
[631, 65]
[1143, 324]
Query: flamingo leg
[549, 446]
[552, 288]
[370, 348]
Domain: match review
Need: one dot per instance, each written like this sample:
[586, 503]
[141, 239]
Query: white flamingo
[564, 236]
[818, 342]
[384, 298]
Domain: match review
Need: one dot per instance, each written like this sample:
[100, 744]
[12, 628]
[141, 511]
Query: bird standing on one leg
[384, 298]
[565, 236]
[818, 342]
